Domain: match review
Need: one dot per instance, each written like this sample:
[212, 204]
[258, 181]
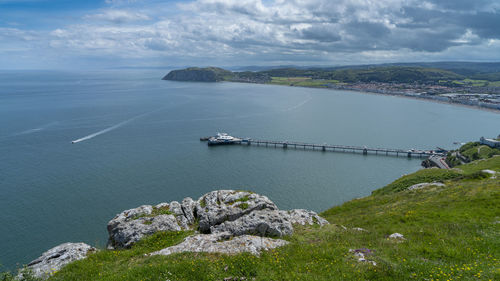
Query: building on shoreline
[490, 142]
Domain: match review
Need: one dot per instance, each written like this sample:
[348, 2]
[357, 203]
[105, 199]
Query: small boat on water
[223, 138]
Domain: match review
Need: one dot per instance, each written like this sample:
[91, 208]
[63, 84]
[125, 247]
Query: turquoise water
[140, 145]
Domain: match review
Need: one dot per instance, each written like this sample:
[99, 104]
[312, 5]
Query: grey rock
[130, 226]
[223, 243]
[269, 222]
[129, 215]
[397, 236]
[491, 172]
[262, 222]
[219, 206]
[54, 259]
[360, 229]
[424, 185]
[176, 208]
[360, 256]
[303, 217]
[188, 207]
[237, 212]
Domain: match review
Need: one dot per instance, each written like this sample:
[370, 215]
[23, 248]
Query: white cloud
[118, 16]
[280, 31]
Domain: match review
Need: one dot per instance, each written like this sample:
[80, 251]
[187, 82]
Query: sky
[100, 34]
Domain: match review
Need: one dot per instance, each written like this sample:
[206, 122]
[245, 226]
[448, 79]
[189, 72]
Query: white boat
[223, 138]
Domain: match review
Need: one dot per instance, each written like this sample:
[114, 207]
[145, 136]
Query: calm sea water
[141, 146]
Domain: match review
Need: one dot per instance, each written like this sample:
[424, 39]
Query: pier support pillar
[323, 148]
[409, 154]
[365, 151]
[285, 145]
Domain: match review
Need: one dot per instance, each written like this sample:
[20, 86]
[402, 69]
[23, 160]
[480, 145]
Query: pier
[338, 148]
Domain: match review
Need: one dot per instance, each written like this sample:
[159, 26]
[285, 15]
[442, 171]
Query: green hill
[450, 233]
[400, 74]
[386, 74]
[208, 74]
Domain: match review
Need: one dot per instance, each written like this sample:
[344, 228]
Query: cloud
[118, 16]
[282, 31]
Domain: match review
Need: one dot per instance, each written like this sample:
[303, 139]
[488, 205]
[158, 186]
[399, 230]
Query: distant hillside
[208, 74]
[463, 68]
[401, 74]
[422, 73]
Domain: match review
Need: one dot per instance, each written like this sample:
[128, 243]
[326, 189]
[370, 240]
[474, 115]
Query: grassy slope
[451, 235]
[476, 151]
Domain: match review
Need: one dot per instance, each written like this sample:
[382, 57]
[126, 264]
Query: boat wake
[34, 130]
[299, 105]
[114, 126]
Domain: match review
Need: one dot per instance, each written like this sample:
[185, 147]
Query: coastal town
[479, 96]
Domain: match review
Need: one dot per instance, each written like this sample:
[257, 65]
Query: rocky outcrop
[220, 206]
[54, 259]
[263, 223]
[130, 226]
[232, 222]
[222, 211]
[272, 223]
[223, 243]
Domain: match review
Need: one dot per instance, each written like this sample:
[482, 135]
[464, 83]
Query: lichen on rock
[54, 259]
[223, 243]
[237, 213]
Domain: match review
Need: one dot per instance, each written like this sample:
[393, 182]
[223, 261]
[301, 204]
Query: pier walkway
[339, 148]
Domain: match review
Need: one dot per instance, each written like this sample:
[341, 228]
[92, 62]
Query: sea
[136, 142]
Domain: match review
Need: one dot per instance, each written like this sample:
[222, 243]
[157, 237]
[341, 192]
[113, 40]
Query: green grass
[463, 172]
[494, 84]
[451, 234]
[302, 82]
[483, 164]
[474, 82]
[476, 151]
[243, 206]
[155, 212]
[425, 175]
[451, 231]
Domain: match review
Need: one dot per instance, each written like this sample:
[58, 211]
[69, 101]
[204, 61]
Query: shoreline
[385, 94]
[421, 99]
